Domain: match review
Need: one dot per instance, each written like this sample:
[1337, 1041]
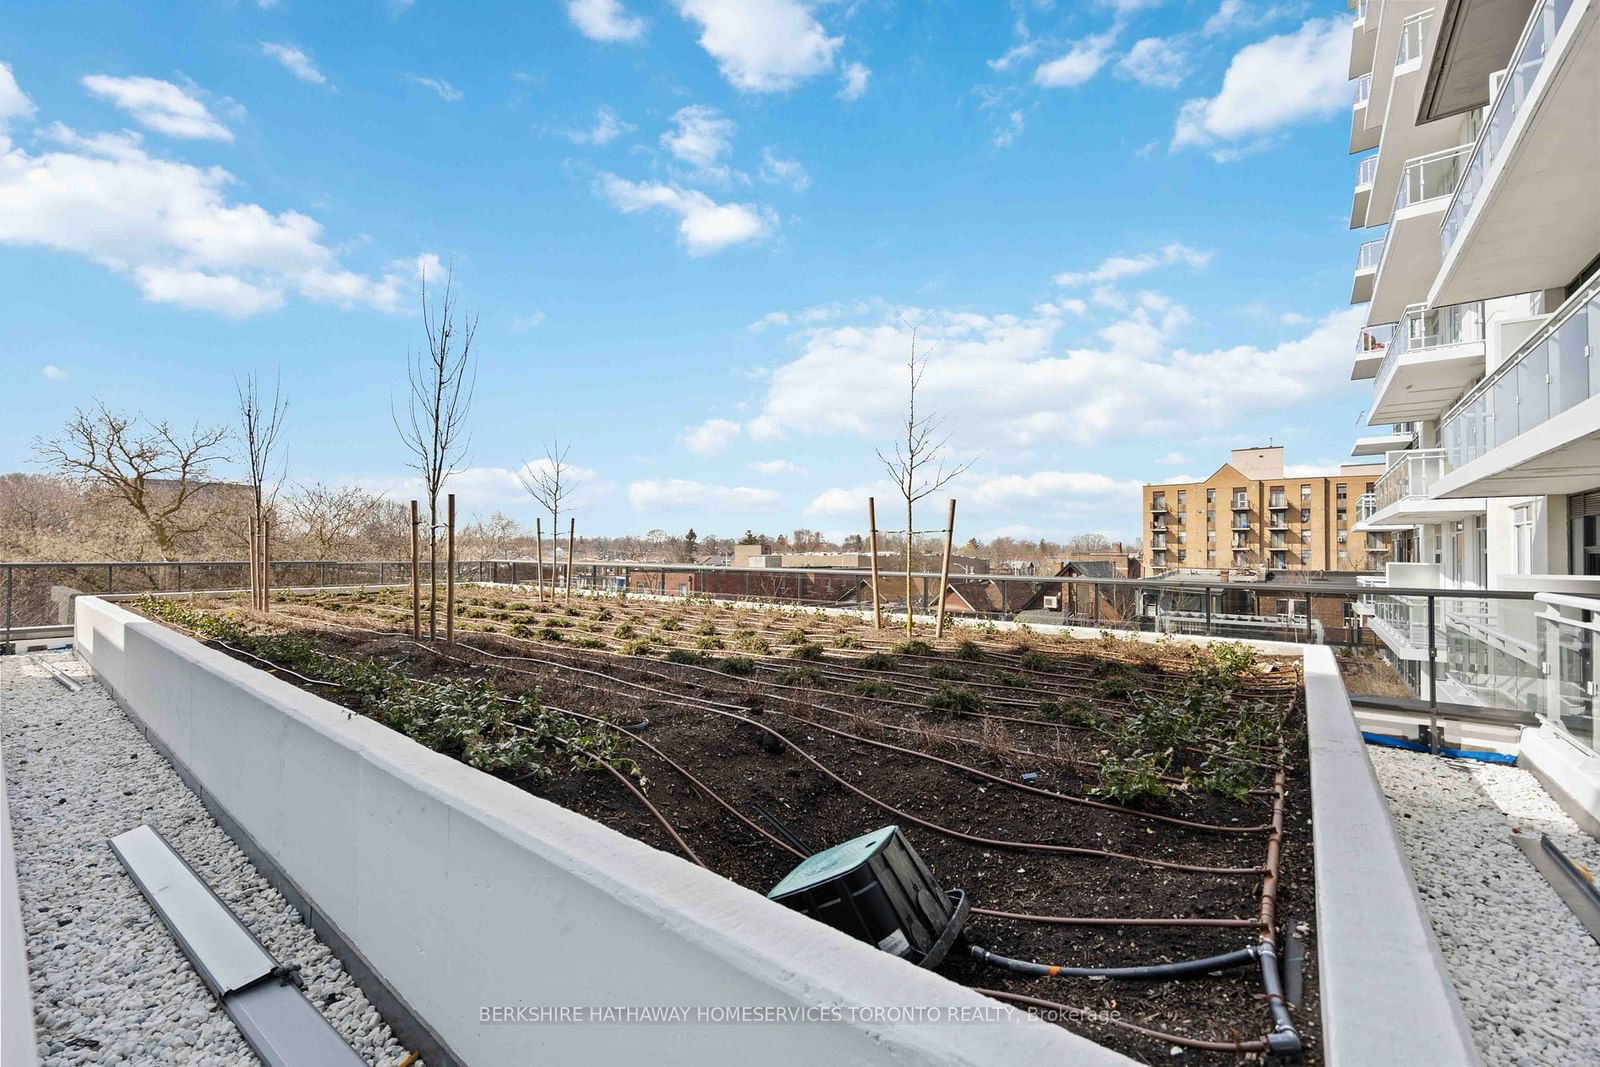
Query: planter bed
[604, 706]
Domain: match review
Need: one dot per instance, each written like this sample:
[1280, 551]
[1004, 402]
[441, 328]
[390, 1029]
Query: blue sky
[693, 231]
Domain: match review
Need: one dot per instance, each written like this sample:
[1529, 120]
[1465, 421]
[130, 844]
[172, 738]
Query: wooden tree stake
[872, 547]
[416, 578]
[572, 541]
[538, 575]
[266, 565]
[944, 570]
[450, 570]
[255, 590]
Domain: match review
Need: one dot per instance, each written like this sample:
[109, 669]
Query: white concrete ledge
[18, 1047]
[1569, 773]
[1387, 996]
[460, 892]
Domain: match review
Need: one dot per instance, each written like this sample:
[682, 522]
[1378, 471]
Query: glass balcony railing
[1366, 505]
[1431, 176]
[1366, 170]
[1361, 10]
[1537, 36]
[1413, 34]
[1550, 373]
[1424, 328]
[1363, 89]
[1372, 340]
[1369, 255]
[1409, 476]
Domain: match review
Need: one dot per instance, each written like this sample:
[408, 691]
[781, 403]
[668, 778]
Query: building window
[1278, 561]
[1340, 492]
[1241, 500]
[1305, 514]
[1305, 495]
[1305, 558]
[1183, 499]
[1183, 535]
[1522, 539]
[1182, 555]
[1339, 516]
[1277, 498]
[1158, 502]
[1211, 496]
[1211, 537]
[1211, 555]
[1305, 537]
[1211, 516]
[1343, 537]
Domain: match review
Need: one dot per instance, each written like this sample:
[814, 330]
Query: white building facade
[1481, 280]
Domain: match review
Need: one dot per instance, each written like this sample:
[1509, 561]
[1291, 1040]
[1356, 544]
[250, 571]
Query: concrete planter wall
[458, 893]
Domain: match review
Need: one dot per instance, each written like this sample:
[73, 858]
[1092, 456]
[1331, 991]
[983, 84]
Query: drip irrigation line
[1152, 972]
[1255, 1045]
[988, 842]
[1095, 920]
[736, 709]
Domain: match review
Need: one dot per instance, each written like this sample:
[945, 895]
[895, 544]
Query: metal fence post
[1310, 633]
[111, 581]
[179, 580]
[799, 587]
[1433, 681]
[1094, 593]
[10, 572]
[1207, 594]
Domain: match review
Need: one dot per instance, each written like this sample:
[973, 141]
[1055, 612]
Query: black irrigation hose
[1068, 1010]
[1154, 972]
[1095, 920]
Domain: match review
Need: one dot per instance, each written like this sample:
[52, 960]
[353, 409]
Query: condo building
[1482, 341]
[1251, 516]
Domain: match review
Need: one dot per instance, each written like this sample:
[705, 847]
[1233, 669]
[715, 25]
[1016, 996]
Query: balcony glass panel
[1366, 170]
[1363, 89]
[1431, 176]
[1413, 32]
[1425, 328]
[1552, 372]
[1409, 476]
[1537, 36]
[1369, 254]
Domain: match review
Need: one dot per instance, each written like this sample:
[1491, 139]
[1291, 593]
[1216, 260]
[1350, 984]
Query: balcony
[1365, 170]
[1402, 36]
[1383, 443]
[1368, 256]
[1363, 39]
[1361, 138]
[1525, 216]
[1435, 353]
[1372, 342]
[1533, 426]
[1474, 41]
[1411, 248]
[1402, 496]
[1158, 506]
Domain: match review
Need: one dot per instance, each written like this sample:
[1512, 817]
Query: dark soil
[747, 766]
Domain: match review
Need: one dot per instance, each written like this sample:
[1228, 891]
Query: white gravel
[110, 985]
[1527, 972]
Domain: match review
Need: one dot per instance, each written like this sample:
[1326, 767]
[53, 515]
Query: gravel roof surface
[1527, 972]
[109, 983]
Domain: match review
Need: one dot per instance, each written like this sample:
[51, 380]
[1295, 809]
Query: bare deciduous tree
[909, 466]
[156, 470]
[332, 518]
[551, 483]
[442, 380]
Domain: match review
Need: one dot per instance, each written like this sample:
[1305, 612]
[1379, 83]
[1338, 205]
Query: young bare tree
[260, 424]
[442, 380]
[155, 470]
[917, 465]
[551, 483]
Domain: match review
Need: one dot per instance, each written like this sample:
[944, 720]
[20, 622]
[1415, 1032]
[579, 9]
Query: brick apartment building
[1250, 515]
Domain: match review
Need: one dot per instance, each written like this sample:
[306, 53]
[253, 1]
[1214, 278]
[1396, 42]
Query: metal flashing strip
[1573, 884]
[277, 1021]
[55, 672]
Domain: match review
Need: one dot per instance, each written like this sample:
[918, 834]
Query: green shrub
[846, 641]
[1125, 779]
[945, 672]
[684, 655]
[639, 646]
[1071, 711]
[914, 647]
[879, 690]
[706, 629]
[669, 623]
[806, 676]
[742, 666]
[1037, 661]
[969, 650]
[549, 633]
[522, 630]
[755, 643]
[624, 630]
[712, 644]
[877, 661]
[949, 700]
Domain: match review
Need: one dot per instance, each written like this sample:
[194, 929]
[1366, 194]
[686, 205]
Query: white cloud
[776, 171]
[776, 467]
[1115, 267]
[1238, 15]
[704, 226]
[446, 91]
[711, 437]
[1172, 459]
[1015, 388]
[762, 46]
[605, 20]
[1159, 62]
[1293, 318]
[14, 103]
[607, 128]
[490, 488]
[171, 227]
[520, 323]
[1017, 53]
[160, 106]
[1057, 489]
[853, 81]
[1078, 64]
[814, 315]
[295, 60]
[1128, 7]
[1290, 78]
[852, 500]
[50, 370]
[1057, 308]
[701, 136]
[1008, 132]
[677, 494]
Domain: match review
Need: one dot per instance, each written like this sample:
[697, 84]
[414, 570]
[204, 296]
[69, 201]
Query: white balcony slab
[1404, 140]
[1359, 206]
[1419, 511]
[1363, 42]
[1474, 39]
[1386, 45]
[1410, 259]
[1361, 138]
[1535, 221]
[1425, 381]
[1379, 444]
